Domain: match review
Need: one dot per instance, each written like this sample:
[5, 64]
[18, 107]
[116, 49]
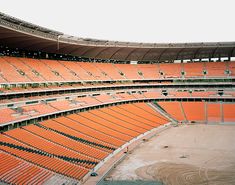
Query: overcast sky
[131, 20]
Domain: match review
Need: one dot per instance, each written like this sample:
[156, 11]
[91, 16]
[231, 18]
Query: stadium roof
[17, 33]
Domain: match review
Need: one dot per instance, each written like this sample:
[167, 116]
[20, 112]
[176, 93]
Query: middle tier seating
[23, 111]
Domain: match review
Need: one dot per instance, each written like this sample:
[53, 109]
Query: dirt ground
[187, 154]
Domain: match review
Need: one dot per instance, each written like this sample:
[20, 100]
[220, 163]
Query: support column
[206, 112]
[182, 109]
[222, 112]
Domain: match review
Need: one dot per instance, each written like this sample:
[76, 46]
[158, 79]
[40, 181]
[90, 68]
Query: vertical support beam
[222, 112]
[58, 42]
[182, 109]
[206, 112]
[204, 69]
[227, 67]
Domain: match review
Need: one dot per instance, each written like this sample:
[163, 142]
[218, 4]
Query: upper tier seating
[171, 71]
[93, 71]
[9, 73]
[109, 70]
[193, 70]
[129, 71]
[149, 71]
[216, 69]
[39, 68]
[15, 70]
[231, 67]
[59, 69]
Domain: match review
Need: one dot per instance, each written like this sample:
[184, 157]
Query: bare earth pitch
[188, 154]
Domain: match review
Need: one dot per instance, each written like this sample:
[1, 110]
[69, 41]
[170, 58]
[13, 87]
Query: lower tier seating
[18, 171]
[199, 111]
[73, 145]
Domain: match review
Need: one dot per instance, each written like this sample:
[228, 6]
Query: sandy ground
[187, 154]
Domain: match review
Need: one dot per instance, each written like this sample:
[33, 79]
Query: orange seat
[173, 109]
[194, 111]
[229, 112]
[214, 112]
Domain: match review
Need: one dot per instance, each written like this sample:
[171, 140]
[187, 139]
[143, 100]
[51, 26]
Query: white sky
[131, 20]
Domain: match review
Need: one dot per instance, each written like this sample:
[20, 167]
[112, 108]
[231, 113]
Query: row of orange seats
[88, 136]
[200, 111]
[53, 164]
[28, 111]
[34, 70]
[50, 147]
[111, 125]
[16, 171]
[105, 98]
[66, 142]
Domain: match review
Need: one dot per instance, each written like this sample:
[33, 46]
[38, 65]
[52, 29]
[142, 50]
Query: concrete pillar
[222, 112]
[206, 115]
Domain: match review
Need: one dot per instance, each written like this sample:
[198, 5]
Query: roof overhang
[16, 33]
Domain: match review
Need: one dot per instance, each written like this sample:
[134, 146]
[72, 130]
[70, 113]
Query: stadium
[89, 111]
